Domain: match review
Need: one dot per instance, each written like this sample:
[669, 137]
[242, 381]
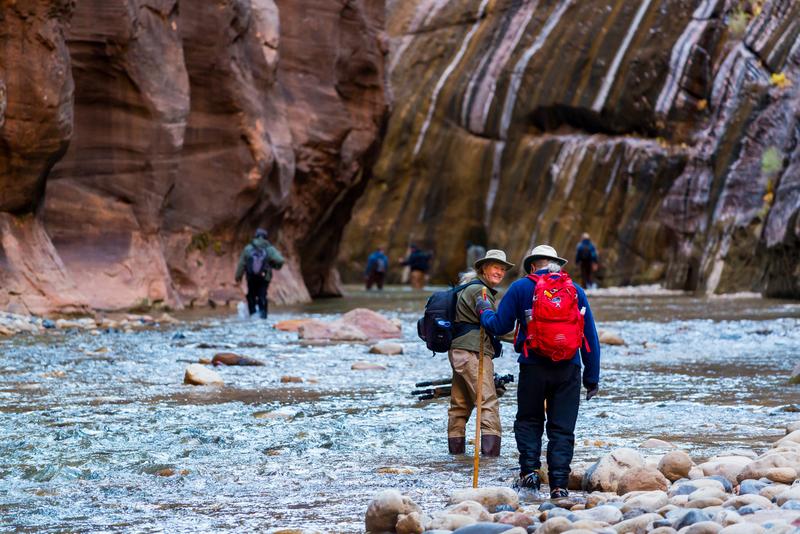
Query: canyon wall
[667, 129]
[143, 141]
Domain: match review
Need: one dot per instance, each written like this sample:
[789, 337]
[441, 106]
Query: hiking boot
[490, 445]
[530, 481]
[456, 445]
[558, 493]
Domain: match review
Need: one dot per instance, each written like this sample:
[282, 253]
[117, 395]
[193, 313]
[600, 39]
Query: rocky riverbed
[100, 433]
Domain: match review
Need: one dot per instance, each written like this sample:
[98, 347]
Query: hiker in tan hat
[464, 354]
[557, 337]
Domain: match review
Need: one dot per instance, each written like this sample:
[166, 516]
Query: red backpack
[555, 329]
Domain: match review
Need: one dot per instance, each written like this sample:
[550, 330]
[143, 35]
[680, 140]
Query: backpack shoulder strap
[459, 289]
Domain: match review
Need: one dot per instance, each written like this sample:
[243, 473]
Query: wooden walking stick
[478, 401]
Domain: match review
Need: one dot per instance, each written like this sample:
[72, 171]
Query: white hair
[467, 277]
[551, 266]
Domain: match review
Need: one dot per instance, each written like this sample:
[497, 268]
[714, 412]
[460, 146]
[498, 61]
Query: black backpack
[437, 327]
[257, 264]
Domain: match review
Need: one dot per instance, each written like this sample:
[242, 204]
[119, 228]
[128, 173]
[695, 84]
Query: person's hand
[591, 390]
[481, 305]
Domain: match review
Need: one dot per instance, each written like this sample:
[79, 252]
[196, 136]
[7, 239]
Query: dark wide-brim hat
[542, 252]
[497, 256]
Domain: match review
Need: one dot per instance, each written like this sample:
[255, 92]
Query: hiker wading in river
[464, 358]
[556, 333]
[258, 259]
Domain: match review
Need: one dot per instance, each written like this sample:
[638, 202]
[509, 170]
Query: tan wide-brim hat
[542, 252]
[497, 256]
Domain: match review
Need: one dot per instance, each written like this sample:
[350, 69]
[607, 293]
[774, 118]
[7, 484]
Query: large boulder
[728, 467]
[356, 325]
[609, 470]
[642, 479]
[779, 457]
[675, 465]
[382, 513]
[373, 324]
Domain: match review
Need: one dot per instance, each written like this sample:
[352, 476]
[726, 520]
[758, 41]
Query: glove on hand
[591, 390]
[481, 305]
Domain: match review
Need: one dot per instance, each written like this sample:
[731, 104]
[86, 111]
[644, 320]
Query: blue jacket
[516, 306]
[418, 261]
[585, 252]
[377, 261]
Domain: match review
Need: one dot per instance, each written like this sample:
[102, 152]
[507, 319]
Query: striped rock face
[665, 128]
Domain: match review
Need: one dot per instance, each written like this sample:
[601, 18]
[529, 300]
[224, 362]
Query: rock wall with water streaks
[142, 142]
[648, 124]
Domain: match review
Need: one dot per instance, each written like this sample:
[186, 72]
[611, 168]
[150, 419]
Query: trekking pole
[478, 402]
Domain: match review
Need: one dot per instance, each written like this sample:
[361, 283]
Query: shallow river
[90, 423]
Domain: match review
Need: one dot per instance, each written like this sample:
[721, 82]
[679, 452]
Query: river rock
[315, 330]
[291, 325]
[789, 439]
[791, 494]
[746, 500]
[450, 522]
[576, 475]
[555, 525]
[773, 490]
[199, 375]
[398, 470]
[655, 443]
[690, 517]
[486, 528]
[472, 509]
[781, 475]
[750, 486]
[387, 347]
[291, 379]
[602, 513]
[636, 524]
[610, 338]
[727, 517]
[774, 458]
[648, 501]
[727, 467]
[675, 465]
[663, 530]
[703, 527]
[642, 479]
[708, 492]
[490, 497]
[229, 358]
[517, 519]
[743, 528]
[413, 523]
[384, 510]
[607, 472]
[793, 426]
[372, 324]
[367, 366]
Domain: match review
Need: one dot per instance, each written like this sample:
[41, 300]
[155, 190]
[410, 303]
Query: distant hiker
[464, 354]
[586, 258]
[377, 265]
[474, 253]
[257, 260]
[419, 263]
[556, 333]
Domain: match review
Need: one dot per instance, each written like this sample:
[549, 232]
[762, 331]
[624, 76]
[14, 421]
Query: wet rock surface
[652, 122]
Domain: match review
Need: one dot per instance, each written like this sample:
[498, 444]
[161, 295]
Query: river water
[99, 434]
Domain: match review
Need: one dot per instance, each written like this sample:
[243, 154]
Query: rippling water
[99, 434]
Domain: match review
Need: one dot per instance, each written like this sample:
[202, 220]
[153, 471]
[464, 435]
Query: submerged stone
[199, 375]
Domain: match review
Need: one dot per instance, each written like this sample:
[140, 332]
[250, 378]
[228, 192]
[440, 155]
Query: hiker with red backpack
[257, 260]
[556, 333]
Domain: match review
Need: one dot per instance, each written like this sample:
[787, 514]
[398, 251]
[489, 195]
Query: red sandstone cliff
[142, 142]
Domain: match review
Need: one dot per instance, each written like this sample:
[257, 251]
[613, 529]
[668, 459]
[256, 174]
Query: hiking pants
[417, 279]
[558, 383]
[464, 393]
[586, 273]
[257, 295]
[375, 278]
